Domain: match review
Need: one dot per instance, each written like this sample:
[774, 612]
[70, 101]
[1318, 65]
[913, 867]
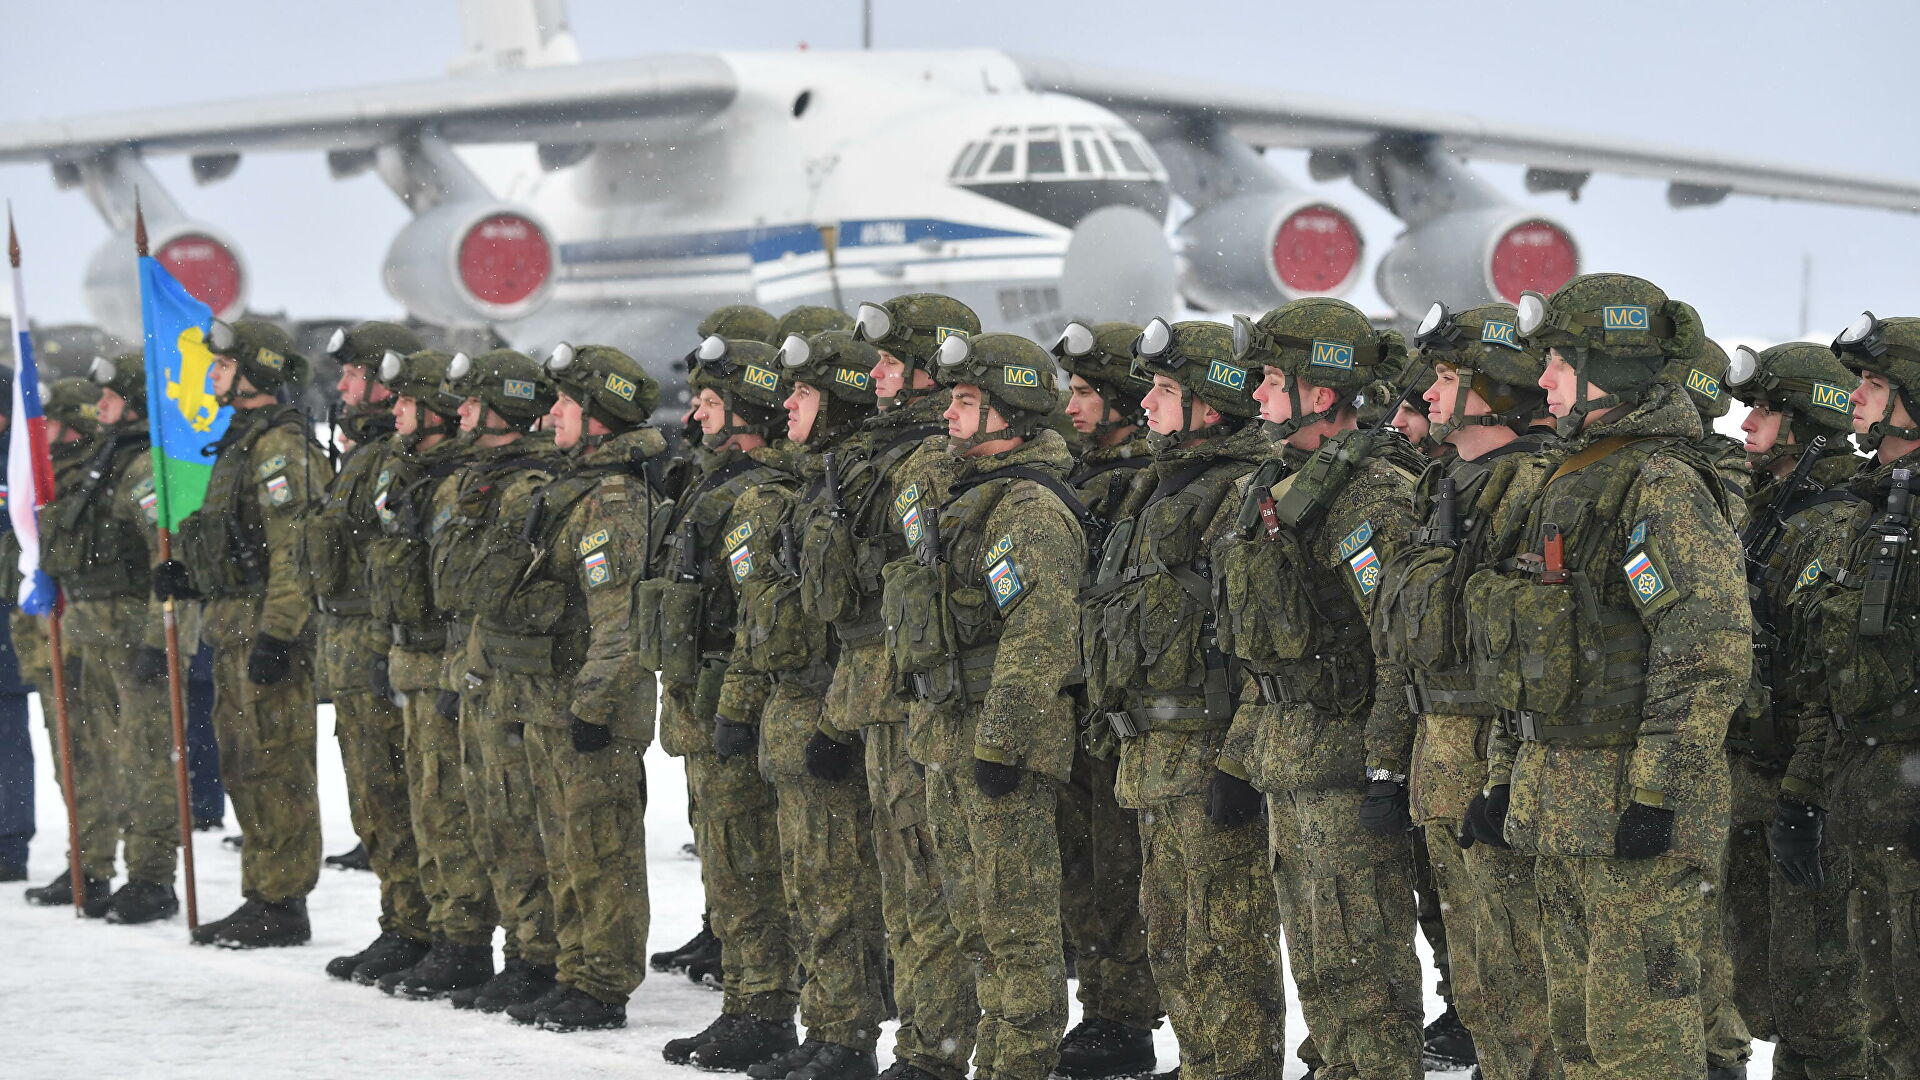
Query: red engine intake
[1252, 252]
[471, 264]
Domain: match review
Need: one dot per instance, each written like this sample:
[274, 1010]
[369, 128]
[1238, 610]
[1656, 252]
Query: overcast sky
[1828, 84]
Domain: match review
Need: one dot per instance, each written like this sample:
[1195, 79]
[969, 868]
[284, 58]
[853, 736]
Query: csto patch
[1356, 539]
[1004, 578]
[591, 544]
[1644, 577]
[1495, 332]
[1332, 354]
[598, 572]
[1829, 396]
[742, 563]
[279, 492]
[1809, 576]
[741, 534]
[1703, 384]
[1224, 374]
[1365, 567]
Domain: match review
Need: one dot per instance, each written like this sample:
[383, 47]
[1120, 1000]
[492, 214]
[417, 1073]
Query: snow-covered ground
[85, 998]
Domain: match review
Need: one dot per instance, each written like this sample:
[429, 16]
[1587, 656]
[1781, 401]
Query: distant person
[16, 743]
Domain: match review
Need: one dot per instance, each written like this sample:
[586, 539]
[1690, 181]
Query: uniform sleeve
[1822, 551]
[290, 474]
[747, 549]
[1027, 719]
[135, 504]
[1700, 627]
[606, 561]
[1390, 723]
[1243, 734]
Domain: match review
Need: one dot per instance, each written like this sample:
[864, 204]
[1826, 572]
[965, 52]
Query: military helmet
[420, 375]
[1321, 340]
[75, 403]
[125, 375]
[1199, 356]
[510, 383]
[1014, 376]
[1617, 330]
[369, 343]
[911, 327]
[264, 352]
[748, 380]
[832, 362]
[1483, 346]
[1889, 348]
[740, 322]
[1102, 354]
[1704, 378]
[1804, 382]
[809, 319]
[612, 386]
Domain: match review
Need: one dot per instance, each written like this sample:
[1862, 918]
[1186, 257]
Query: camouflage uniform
[1614, 756]
[1205, 892]
[1009, 563]
[243, 547]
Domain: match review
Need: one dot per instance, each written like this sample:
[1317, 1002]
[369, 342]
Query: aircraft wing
[566, 103]
[1161, 105]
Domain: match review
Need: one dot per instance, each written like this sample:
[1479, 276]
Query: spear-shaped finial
[13, 239]
[139, 226]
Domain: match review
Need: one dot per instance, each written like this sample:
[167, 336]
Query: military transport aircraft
[1033, 189]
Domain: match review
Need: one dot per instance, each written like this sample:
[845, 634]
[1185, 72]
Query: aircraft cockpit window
[1044, 158]
[1130, 159]
[1100, 151]
[1081, 163]
[1002, 160]
[967, 153]
[971, 157]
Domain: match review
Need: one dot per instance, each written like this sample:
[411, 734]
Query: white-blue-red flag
[29, 465]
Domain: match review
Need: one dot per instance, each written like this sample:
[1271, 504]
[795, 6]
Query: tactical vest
[94, 553]
[1103, 487]
[1860, 627]
[1420, 621]
[1148, 623]
[224, 543]
[772, 635]
[460, 533]
[1568, 661]
[945, 610]
[682, 620]
[334, 540]
[399, 575]
[843, 552]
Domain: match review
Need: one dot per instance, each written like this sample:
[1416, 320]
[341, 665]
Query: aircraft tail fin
[505, 35]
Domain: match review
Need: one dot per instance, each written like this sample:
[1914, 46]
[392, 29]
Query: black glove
[1486, 820]
[149, 664]
[381, 678]
[1232, 801]
[1386, 811]
[588, 738]
[1794, 840]
[1645, 831]
[994, 779]
[172, 582]
[732, 740]
[269, 661]
[447, 704]
[828, 758]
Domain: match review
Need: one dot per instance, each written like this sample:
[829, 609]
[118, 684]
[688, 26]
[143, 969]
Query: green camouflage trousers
[1815, 975]
[1728, 1043]
[1100, 896]
[1213, 940]
[145, 802]
[933, 983]
[1430, 911]
[833, 895]
[1886, 937]
[1622, 940]
[96, 789]
[593, 818]
[1493, 930]
[459, 896]
[1346, 899]
[736, 832]
[266, 736]
[372, 738]
[1000, 865]
[504, 822]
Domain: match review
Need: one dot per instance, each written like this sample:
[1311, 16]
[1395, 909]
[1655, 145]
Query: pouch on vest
[1864, 677]
[922, 641]
[326, 550]
[1419, 623]
[829, 571]
[398, 588]
[494, 652]
[1270, 616]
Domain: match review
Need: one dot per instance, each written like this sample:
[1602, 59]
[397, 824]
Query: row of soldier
[1225, 677]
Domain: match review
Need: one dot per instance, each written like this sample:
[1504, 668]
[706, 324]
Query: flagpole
[176, 699]
[62, 723]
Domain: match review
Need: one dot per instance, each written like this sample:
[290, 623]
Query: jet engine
[471, 263]
[199, 257]
[1260, 249]
[1481, 256]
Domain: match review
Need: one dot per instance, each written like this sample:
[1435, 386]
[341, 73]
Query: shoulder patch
[1365, 566]
[1356, 539]
[279, 492]
[598, 572]
[1809, 576]
[997, 551]
[742, 563]
[1004, 578]
[1638, 537]
[593, 543]
[274, 464]
[1645, 578]
[741, 534]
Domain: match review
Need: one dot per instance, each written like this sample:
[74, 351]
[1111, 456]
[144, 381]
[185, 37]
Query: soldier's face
[406, 415]
[889, 375]
[112, 407]
[225, 368]
[1561, 382]
[357, 386]
[1085, 407]
[1411, 422]
[709, 412]
[1276, 405]
[1869, 401]
[472, 411]
[803, 409]
[1762, 427]
[963, 414]
[1162, 404]
[569, 422]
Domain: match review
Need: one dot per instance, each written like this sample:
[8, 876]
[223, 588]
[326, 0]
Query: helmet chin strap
[1570, 425]
[1019, 426]
[1299, 420]
[1459, 418]
[1885, 427]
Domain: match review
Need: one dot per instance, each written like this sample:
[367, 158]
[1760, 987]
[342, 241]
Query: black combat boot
[142, 902]
[678, 959]
[1098, 1048]
[59, 891]
[1448, 1045]
[745, 1042]
[12, 871]
[708, 967]
[577, 1010]
[388, 951]
[779, 1065]
[1727, 1072]
[97, 902]
[357, 859]
[680, 1051]
[446, 968]
[259, 924]
[835, 1062]
[528, 1012]
[517, 982]
[902, 1070]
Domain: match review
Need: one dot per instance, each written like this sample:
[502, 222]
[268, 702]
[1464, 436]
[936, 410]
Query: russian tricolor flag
[29, 466]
